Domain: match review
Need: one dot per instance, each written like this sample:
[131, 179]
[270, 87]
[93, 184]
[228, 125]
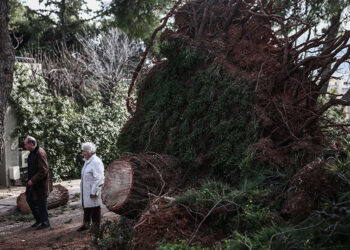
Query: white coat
[92, 178]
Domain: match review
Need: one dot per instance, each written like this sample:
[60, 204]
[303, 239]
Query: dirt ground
[61, 235]
[16, 233]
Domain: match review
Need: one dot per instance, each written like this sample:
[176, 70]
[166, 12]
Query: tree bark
[58, 197]
[334, 26]
[132, 182]
[7, 60]
[62, 17]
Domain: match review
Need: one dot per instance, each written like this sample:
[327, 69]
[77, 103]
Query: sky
[92, 4]
[34, 4]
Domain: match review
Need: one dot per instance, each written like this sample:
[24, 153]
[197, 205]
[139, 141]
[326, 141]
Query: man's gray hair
[89, 147]
[31, 140]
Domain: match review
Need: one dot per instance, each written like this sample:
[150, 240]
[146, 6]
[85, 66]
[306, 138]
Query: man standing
[39, 184]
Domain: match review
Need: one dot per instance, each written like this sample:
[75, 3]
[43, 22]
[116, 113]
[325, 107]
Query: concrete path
[8, 196]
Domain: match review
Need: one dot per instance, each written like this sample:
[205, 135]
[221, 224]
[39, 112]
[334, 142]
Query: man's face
[86, 154]
[28, 146]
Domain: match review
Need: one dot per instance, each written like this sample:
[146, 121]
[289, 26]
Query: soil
[61, 235]
[19, 235]
[172, 223]
[16, 231]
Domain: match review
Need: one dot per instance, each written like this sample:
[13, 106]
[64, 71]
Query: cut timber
[131, 182]
[58, 197]
[118, 183]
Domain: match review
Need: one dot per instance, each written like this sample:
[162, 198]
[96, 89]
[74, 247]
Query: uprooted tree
[240, 82]
[283, 59]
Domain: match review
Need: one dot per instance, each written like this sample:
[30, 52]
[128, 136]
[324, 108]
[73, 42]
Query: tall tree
[28, 29]
[137, 18]
[7, 60]
[102, 67]
[66, 16]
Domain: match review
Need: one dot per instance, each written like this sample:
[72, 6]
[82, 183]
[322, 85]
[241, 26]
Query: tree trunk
[62, 17]
[7, 60]
[58, 197]
[131, 182]
[335, 24]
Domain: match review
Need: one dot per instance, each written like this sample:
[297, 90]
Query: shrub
[114, 235]
[60, 125]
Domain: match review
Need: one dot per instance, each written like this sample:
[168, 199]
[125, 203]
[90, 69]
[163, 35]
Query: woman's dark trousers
[94, 214]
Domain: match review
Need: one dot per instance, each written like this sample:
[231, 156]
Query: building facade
[340, 86]
[11, 153]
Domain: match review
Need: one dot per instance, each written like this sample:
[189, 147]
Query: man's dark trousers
[38, 207]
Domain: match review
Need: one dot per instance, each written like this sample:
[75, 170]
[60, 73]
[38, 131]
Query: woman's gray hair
[89, 147]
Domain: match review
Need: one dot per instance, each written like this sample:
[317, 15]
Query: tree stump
[131, 182]
[58, 197]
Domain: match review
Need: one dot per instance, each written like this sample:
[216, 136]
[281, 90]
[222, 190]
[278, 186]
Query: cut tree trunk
[58, 197]
[132, 182]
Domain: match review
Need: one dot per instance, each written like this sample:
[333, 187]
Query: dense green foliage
[190, 109]
[257, 224]
[181, 245]
[60, 125]
[30, 30]
[326, 229]
[114, 235]
[56, 24]
[194, 112]
[246, 210]
[67, 18]
[314, 12]
[137, 18]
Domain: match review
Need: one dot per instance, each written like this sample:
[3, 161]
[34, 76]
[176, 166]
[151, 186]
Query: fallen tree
[132, 181]
[286, 71]
[238, 98]
[58, 197]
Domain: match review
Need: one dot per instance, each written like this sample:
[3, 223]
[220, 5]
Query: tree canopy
[137, 18]
[55, 25]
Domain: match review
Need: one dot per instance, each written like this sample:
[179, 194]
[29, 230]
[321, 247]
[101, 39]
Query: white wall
[11, 157]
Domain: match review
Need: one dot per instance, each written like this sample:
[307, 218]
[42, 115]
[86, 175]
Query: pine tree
[137, 18]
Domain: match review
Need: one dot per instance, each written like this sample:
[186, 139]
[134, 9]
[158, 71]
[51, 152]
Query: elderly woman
[92, 177]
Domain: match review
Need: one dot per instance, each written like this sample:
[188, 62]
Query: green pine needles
[192, 110]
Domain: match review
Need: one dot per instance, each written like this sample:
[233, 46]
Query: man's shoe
[35, 224]
[82, 228]
[42, 226]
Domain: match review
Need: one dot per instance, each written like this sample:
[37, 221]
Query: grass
[19, 218]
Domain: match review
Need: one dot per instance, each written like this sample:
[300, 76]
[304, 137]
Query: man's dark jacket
[41, 177]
